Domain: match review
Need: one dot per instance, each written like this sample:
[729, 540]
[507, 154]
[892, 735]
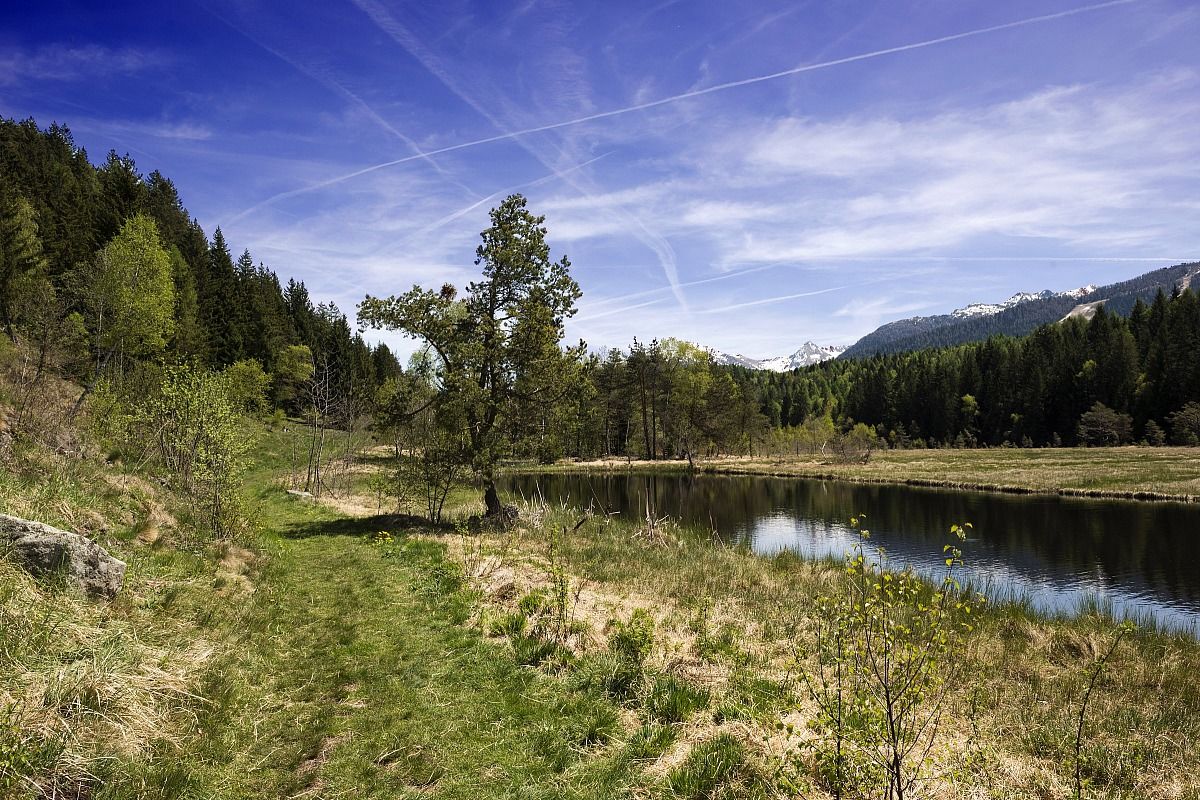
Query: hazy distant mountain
[1018, 315]
[809, 353]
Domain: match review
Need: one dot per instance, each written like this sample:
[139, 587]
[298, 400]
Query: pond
[1140, 559]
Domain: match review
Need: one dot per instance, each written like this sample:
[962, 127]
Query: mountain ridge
[806, 355]
[1019, 315]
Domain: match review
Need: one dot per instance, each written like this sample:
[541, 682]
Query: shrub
[1154, 435]
[886, 646]
[196, 432]
[1185, 425]
[246, 385]
[1102, 426]
[634, 639]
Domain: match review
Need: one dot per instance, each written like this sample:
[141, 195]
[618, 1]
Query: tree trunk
[491, 498]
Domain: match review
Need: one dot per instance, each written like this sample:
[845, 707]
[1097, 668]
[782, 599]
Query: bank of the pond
[738, 629]
[1125, 473]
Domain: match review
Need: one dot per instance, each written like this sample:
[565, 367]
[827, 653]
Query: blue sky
[745, 175]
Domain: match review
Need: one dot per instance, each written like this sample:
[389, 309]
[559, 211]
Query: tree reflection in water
[1143, 558]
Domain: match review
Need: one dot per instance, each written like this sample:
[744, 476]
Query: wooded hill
[58, 210]
[943, 330]
[1039, 390]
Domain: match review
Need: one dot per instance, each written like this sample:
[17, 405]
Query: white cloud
[60, 62]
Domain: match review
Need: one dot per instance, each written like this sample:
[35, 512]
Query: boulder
[43, 550]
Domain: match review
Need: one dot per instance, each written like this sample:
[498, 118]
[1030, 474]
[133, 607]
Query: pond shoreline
[1051, 551]
[1040, 472]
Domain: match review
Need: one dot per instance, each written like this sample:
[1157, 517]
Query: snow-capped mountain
[1018, 315]
[809, 353]
[984, 309]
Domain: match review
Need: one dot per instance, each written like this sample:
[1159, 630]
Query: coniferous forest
[1103, 380]
[60, 212]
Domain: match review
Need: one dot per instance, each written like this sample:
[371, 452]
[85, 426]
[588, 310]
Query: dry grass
[80, 686]
[726, 619]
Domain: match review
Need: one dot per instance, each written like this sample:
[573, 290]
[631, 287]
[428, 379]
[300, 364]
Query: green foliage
[885, 648]
[610, 674]
[562, 601]
[1185, 425]
[650, 741]
[293, 366]
[1102, 426]
[246, 385]
[633, 640]
[22, 262]
[709, 768]
[1028, 391]
[199, 440]
[1153, 433]
[499, 344]
[57, 209]
[672, 700]
[131, 291]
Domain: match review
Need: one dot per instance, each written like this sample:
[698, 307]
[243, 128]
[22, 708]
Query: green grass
[319, 657]
[355, 673]
[734, 621]
[335, 661]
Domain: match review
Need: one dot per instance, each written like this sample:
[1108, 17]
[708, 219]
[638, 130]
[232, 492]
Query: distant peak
[808, 353]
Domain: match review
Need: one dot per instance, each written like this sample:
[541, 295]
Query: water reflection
[1143, 558]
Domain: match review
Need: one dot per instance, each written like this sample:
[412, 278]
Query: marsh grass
[727, 620]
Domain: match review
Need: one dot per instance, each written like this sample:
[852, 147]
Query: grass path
[355, 676]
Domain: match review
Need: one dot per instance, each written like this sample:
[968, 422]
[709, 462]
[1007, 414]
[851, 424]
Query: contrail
[720, 87]
[336, 87]
[535, 182]
[656, 290]
[426, 58]
[778, 299]
[1015, 259]
[620, 310]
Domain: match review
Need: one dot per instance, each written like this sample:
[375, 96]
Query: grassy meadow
[341, 649]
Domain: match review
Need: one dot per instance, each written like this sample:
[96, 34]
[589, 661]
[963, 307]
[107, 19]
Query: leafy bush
[246, 385]
[1102, 426]
[195, 430]
[886, 646]
[634, 639]
[1185, 425]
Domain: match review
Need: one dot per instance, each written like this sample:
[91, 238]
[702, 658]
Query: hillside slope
[1019, 318]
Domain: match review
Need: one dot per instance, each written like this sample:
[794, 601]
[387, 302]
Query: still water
[1141, 559]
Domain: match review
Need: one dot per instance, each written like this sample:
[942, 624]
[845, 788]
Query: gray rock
[44, 550]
